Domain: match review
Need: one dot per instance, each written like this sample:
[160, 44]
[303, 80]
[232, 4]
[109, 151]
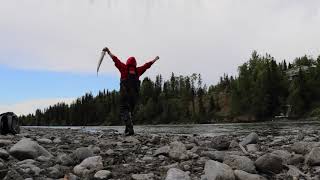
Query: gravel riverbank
[41, 153]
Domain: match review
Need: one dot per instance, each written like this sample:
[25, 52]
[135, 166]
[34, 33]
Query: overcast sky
[54, 45]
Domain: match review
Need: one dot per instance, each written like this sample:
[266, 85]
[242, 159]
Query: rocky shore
[40, 153]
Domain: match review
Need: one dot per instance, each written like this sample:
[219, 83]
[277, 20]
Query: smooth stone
[102, 174]
[313, 158]
[164, 150]
[242, 175]
[269, 163]
[88, 166]
[28, 149]
[252, 138]
[178, 151]
[215, 170]
[177, 174]
[240, 163]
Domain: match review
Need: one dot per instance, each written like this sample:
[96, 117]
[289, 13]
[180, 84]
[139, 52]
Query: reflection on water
[274, 128]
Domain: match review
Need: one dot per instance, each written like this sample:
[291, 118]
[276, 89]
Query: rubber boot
[129, 126]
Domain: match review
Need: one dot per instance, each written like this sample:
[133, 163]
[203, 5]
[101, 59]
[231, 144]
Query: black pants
[128, 101]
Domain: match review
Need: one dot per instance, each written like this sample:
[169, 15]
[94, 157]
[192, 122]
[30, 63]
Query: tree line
[262, 89]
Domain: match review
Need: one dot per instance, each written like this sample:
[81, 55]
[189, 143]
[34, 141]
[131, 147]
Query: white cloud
[205, 36]
[26, 107]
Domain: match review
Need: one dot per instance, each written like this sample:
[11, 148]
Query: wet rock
[28, 149]
[313, 158]
[162, 151]
[149, 176]
[269, 163]
[240, 163]
[215, 170]
[88, 166]
[220, 142]
[242, 175]
[4, 154]
[44, 141]
[102, 174]
[177, 151]
[82, 153]
[109, 152]
[177, 174]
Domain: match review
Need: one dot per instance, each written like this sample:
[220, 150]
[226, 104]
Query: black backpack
[131, 85]
[9, 123]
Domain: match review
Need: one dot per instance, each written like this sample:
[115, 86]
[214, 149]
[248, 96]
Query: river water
[273, 128]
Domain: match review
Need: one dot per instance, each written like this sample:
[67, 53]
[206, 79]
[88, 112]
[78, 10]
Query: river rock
[44, 141]
[177, 174]
[302, 147]
[284, 155]
[240, 163]
[28, 166]
[313, 158]
[242, 175]
[164, 150]
[177, 151]
[64, 160]
[215, 170]
[102, 174]
[28, 149]
[269, 163]
[214, 155]
[149, 176]
[252, 138]
[5, 142]
[4, 154]
[71, 176]
[55, 172]
[252, 148]
[295, 159]
[88, 166]
[82, 153]
[220, 142]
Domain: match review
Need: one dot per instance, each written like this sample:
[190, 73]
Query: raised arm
[146, 66]
[115, 59]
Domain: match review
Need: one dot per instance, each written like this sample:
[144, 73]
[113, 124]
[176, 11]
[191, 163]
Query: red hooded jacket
[123, 68]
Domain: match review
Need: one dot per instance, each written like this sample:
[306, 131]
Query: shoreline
[40, 153]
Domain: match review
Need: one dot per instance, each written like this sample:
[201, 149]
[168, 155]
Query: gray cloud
[202, 36]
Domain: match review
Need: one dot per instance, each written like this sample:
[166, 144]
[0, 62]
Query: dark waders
[129, 95]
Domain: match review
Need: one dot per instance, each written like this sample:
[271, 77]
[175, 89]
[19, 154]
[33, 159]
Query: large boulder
[28, 149]
[269, 163]
[313, 158]
[177, 174]
[240, 163]
[88, 166]
[178, 151]
[215, 170]
[252, 138]
[242, 175]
